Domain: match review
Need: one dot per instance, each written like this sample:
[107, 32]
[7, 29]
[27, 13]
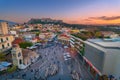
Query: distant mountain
[9, 22]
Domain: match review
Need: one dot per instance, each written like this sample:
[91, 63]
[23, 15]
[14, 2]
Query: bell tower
[17, 57]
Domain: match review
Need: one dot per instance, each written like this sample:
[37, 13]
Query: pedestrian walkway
[52, 64]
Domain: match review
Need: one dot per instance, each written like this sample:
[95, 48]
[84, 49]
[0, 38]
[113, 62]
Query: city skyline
[70, 11]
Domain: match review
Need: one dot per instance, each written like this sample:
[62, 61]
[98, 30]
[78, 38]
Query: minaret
[17, 55]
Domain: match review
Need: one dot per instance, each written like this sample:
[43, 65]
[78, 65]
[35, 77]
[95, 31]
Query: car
[33, 47]
[65, 46]
[64, 54]
[37, 44]
[68, 56]
[66, 59]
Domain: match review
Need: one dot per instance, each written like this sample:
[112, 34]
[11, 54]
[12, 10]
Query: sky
[70, 11]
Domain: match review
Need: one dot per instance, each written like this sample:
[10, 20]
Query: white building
[29, 37]
[78, 44]
[103, 56]
[14, 33]
[22, 58]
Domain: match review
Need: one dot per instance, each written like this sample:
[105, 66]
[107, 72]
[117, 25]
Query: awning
[5, 64]
[2, 68]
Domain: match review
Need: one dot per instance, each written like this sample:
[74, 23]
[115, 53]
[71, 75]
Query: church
[23, 57]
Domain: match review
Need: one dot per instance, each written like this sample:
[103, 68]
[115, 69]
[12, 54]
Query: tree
[98, 34]
[37, 33]
[2, 57]
[25, 44]
[11, 69]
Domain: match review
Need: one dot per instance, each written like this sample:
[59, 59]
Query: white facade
[17, 57]
[13, 32]
[29, 37]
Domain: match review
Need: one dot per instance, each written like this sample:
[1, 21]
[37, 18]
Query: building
[109, 34]
[3, 28]
[14, 33]
[6, 42]
[23, 57]
[18, 41]
[64, 39]
[5, 39]
[78, 44]
[17, 56]
[74, 31]
[47, 36]
[102, 57]
[29, 37]
[17, 27]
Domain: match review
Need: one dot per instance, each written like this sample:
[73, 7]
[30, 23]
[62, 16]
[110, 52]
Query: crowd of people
[51, 59]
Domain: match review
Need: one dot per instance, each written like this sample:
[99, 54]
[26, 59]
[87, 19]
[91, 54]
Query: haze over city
[70, 11]
[59, 39]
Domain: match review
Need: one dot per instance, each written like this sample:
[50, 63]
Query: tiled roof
[17, 41]
[28, 53]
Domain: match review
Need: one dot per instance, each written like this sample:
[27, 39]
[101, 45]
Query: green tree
[12, 69]
[2, 57]
[25, 44]
[37, 33]
[98, 34]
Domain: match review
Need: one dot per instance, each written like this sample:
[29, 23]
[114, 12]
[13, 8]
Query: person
[12, 76]
[34, 77]
[18, 76]
[31, 70]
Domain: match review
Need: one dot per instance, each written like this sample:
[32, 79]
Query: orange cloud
[102, 20]
[105, 18]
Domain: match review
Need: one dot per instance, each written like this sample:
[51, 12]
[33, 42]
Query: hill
[9, 22]
[52, 21]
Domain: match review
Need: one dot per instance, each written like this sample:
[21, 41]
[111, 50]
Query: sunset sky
[70, 11]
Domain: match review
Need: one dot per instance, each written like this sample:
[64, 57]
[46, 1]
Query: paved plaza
[52, 66]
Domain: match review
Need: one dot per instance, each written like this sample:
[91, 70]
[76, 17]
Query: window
[14, 55]
[20, 61]
[3, 46]
[1, 40]
[7, 38]
[8, 44]
[19, 54]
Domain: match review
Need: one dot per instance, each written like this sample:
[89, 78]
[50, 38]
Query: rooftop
[106, 43]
